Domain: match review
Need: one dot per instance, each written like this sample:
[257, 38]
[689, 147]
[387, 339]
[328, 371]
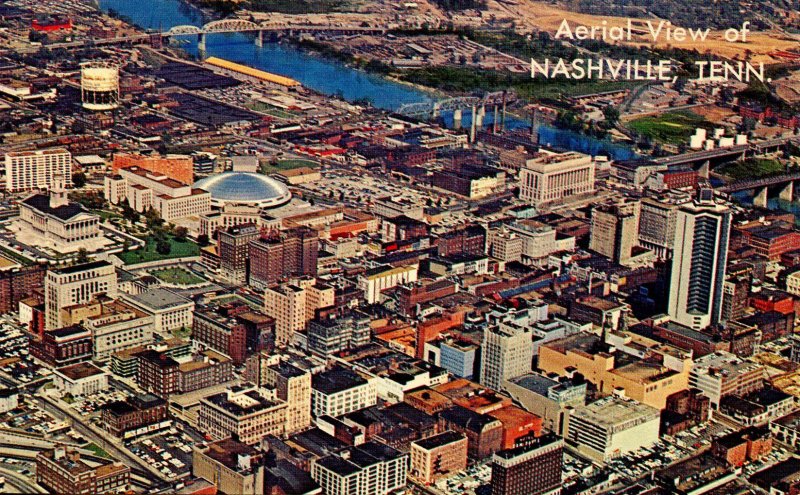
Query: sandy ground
[713, 112]
[531, 14]
[788, 88]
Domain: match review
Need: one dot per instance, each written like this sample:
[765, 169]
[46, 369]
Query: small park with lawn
[177, 249]
[287, 164]
[177, 276]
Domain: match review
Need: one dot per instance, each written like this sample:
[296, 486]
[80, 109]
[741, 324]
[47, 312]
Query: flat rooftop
[80, 370]
[617, 414]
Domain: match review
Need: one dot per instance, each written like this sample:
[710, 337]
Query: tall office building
[287, 304]
[532, 469]
[551, 178]
[282, 254]
[77, 284]
[507, 352]
[614, 230]
[27, 170]
[233, 251]
[657, 226]
[702, 232]
[293, 386]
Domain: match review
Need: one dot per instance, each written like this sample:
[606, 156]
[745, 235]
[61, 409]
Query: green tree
[181, 233]
[611, 114]
[153, 219]
[79, 179]
[82, 256]
[203, 240]
[163, 247]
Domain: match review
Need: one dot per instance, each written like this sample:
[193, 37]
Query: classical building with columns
[552, 178]
[52, 220]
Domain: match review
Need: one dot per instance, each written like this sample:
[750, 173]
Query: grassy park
[178, 249]
[177, 276]
[670, 128]
[287, 164]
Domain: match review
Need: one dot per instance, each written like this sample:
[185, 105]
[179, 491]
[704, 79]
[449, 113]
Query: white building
[287, 304]
[77, 284]
[117, 326]
[539, 241]
[9, 399]
[249, 413]
[80, 379]
[612, 427]
[27, 170]
[171, 311]
[52, 220]
[722, 373]
[504, 245]
[702, 232]
[340, 391]
[554, 177]
[506, 352]
[793, 283]
[374, 280]
[144, 189]
[371, 468]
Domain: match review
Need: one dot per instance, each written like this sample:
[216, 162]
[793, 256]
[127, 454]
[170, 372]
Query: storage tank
[99, 86]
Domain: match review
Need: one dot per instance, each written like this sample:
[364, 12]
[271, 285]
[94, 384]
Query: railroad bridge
[244, 26]
[784, 183]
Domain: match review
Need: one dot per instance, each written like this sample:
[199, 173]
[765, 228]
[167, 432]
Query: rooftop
[440, 440]
[336, 380]
[617, 414]
[159, 299]
[80, 370]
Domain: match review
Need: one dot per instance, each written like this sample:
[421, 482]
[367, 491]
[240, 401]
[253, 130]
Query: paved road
[98, 437]
[20, 483]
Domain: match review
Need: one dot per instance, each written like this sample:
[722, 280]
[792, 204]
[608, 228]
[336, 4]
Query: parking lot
[466, 482]
[170, 452]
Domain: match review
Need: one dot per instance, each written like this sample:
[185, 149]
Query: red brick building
[233, 329]
[125, 419]
[158, 373]
[681, 179]
[178, 167]
[739, 447]
[470, 240]
[18, 283]
[281, 254]
[408, 297]
[63, 346]
[519, 426]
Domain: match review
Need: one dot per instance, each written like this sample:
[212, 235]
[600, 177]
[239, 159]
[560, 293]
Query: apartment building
[29, 170]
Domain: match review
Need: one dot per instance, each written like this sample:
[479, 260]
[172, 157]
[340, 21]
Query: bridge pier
[457, 118]
[494, 125]
[201, 42]
[479, 118]
[435, 111]
[761, 196]
[787, 192]
[259, 39]
[472, 125]
[705, 169]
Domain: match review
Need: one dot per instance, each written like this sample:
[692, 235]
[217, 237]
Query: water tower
[99, 86]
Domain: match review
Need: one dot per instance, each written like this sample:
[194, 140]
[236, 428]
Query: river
[325, 76]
